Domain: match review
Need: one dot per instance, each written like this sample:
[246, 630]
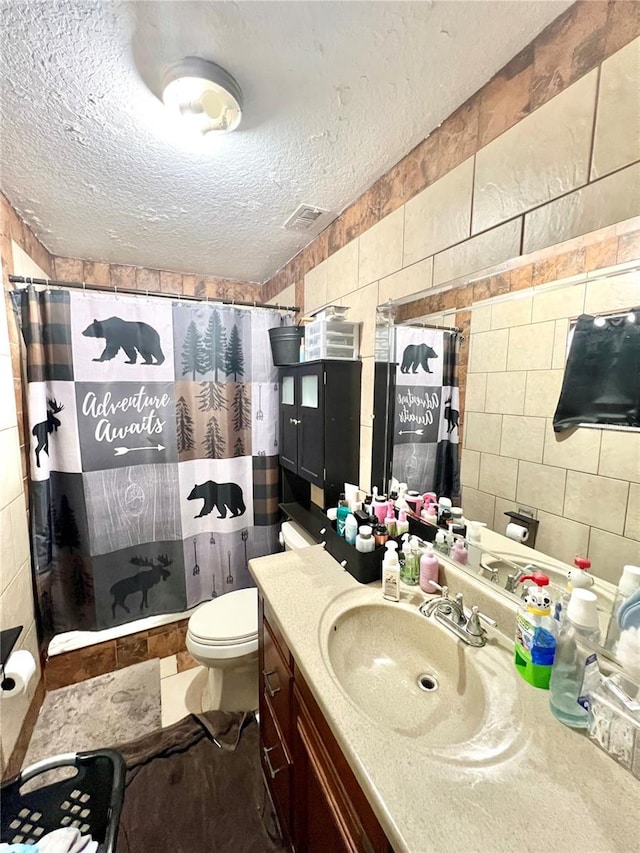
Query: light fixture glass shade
[204, 95]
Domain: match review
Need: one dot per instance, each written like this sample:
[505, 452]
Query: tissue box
[614, 722]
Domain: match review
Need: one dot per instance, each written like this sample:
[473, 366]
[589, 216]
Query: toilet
[222, 636]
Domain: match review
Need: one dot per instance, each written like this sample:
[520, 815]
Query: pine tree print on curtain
[145, 496]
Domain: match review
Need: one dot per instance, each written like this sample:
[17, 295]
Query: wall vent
[304, 217]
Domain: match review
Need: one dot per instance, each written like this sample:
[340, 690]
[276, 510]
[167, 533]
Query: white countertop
[529, 783]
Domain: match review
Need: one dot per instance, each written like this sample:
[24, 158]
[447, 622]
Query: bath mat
[99, 712]
[205, 772]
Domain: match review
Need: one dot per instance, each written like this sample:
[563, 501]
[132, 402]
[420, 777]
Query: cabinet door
[288, 420]
[323, 816]
[311, 423]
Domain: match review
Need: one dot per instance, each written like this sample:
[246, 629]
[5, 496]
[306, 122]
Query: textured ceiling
[335, 94]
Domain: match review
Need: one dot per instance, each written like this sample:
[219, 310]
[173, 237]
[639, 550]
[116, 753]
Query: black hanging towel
[601, 382]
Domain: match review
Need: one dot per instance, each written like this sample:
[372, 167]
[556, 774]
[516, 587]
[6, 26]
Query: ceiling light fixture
[203, 94]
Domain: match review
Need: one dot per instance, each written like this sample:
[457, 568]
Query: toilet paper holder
[526, 520]
[8, 639]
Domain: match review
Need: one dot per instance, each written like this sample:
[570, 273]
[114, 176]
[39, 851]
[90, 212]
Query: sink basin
[403, 671]
[409, 677]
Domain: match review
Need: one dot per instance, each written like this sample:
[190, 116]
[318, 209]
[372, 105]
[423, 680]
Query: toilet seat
[228, 621]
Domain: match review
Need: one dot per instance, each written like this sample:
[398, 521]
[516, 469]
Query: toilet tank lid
[232, 617]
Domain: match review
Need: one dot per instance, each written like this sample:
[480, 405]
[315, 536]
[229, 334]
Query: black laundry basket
[91, 800]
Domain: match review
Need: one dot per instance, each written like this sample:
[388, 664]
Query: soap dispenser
[411, 567]
[390, 520]
[391, 572]
[535, 644]
[578, 578]
[402, 524]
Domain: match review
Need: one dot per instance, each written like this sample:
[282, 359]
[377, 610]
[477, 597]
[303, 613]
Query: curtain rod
[81, 285]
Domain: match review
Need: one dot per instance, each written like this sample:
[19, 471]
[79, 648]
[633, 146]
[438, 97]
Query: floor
[180, 692]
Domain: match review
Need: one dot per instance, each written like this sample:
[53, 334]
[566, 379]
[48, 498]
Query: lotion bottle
[391, 573]
[429, 570]
[459, 553]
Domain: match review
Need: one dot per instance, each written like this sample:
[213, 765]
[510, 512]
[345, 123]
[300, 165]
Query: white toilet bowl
[223, 637]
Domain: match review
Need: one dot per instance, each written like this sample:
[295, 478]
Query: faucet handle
[473, 625]
[443, 589]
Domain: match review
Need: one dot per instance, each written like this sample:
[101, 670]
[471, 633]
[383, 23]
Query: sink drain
[428, 683]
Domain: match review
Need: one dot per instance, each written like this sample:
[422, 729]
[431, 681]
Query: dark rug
[197, 787]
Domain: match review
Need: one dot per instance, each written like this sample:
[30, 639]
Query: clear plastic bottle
[410, 570]
[574, 652]
[441, 543]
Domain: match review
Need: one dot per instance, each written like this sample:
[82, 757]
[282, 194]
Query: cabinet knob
[323, 531]
[344, 564]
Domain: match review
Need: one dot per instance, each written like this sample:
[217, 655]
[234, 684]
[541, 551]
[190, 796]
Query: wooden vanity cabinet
[319, 802]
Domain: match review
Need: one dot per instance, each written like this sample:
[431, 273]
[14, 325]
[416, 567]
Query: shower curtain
[153, 452]
[426, 410]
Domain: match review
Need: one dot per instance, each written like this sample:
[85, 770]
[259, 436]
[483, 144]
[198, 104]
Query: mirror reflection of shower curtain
[426, 410]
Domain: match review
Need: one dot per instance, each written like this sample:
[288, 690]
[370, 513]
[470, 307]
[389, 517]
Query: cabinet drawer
[277, 766]
[275, 683]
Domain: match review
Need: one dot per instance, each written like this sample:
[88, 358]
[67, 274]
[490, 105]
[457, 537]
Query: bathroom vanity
[359, 758]
[318, 799]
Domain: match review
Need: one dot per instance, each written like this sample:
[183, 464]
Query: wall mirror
[582, 484]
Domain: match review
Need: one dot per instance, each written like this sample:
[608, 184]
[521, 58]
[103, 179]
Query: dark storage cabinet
[320, 423]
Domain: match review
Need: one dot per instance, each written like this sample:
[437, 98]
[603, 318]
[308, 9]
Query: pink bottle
[430, 514]
[380, 506]
[459, 553]
[429, 570]
[414, 500]
[429, 498]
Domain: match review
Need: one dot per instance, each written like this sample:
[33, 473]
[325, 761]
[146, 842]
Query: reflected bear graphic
[417, 355]
[129, 335]
[221, 496]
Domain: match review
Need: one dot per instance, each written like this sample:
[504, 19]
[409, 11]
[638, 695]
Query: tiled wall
[16, 588]
[584, 483]
[545, 153]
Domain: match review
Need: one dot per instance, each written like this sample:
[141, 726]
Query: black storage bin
[365, 568]
[285, 344]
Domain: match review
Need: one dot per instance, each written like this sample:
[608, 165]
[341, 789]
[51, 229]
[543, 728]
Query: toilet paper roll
[18, 672]
[517, 532]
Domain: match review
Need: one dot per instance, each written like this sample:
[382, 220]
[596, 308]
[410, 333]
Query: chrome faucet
[451, 613]
[513, 579]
